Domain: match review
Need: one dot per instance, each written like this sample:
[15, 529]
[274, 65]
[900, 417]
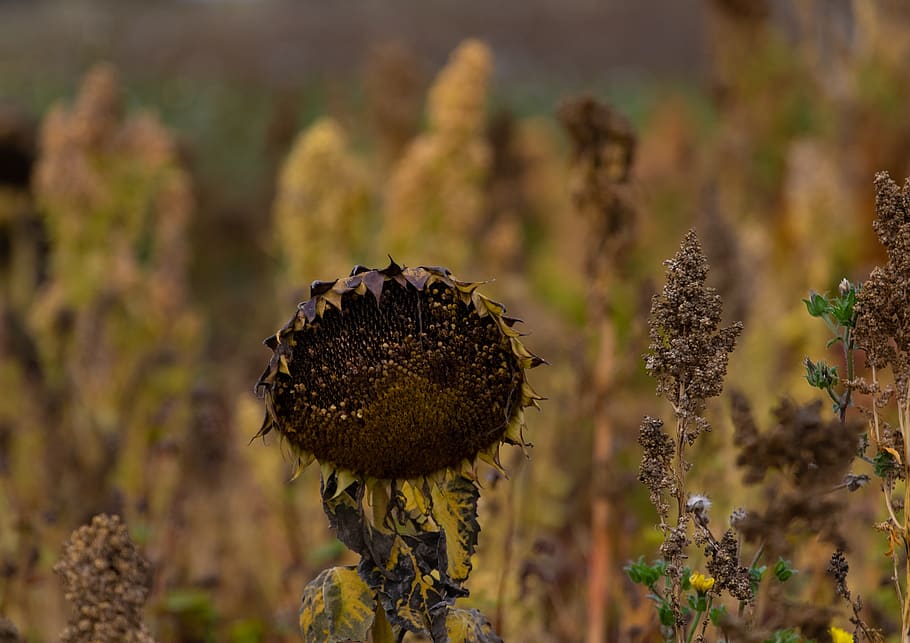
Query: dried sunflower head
[399, 374]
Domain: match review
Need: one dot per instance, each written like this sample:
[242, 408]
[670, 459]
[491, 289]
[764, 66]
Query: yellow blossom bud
[701, 583]
[840, 636]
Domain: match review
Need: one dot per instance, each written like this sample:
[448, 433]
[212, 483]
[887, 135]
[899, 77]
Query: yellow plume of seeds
[400, 373]
[323, 198]
[458, 98]
[436, 191]
[115, 199]
[116, 203]
[701, 583]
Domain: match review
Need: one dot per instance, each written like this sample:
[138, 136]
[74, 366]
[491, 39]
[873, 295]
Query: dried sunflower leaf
[410, 585]
[455, 511]
[464, 626]
[333, 297]
[337, 606]
[374, 282]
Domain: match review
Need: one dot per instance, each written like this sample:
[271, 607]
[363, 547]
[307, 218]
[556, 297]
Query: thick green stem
[697, 619]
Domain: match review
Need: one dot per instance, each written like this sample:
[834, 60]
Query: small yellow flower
[840, 636]
[701, 583]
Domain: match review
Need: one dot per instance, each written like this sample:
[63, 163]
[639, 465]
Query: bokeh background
[173, 175]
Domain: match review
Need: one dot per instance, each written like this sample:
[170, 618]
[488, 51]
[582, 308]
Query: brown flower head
[883, 321]
[655, 469]
[397, 374]
[107, 581]
[689, 351]
[723, 564]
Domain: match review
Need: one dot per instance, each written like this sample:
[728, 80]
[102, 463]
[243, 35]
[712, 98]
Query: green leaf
[783, 570]
[643, 573]
[687, 572]
[842, 308]
[665, 614]
[755, 576]
[465, 626]
[716, 614]
[454, 510]
[820, 374]
[817, 304]
[337, 606]
[784, 636]
[884, 464]
[698, 602]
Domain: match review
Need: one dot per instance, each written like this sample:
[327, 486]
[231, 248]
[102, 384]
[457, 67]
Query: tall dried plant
[322, 207]
[687, 356]
[604, 148]
[875, 318]
[115, 338]
[436, 191]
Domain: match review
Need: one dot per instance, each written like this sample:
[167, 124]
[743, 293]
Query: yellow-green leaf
[455, 511]
[467, 626]
[337, 606]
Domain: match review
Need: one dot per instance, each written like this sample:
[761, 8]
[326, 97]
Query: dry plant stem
[904, 419]
[602, 579]
[682, 516]
[886, 488]
[604, 150]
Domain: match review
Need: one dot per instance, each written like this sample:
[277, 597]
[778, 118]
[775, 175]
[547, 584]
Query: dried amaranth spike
[397, 374]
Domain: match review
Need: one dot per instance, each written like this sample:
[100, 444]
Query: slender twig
[848, 360]
[903, 416]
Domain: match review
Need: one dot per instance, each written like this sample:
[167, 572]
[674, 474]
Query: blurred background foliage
[173, 175]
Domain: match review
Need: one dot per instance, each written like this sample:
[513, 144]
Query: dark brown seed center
[401, 389]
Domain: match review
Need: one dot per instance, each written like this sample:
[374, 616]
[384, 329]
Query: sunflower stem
[380, 502]
[381, 632]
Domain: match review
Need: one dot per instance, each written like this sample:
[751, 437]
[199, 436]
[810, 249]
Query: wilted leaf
[455, 511]
[410, 584]
[465, 626]
[337, 606]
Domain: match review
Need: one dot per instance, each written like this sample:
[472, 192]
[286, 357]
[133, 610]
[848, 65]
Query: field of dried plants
[718, 282]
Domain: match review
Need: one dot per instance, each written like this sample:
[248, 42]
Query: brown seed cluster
[805, 457]
[656, 467]
[400, 386]
[883, 323]
[688, 352]
[604, 145]
[107, 581]
[812, 452]
[8, 632]
[838, 567]
[723, 564]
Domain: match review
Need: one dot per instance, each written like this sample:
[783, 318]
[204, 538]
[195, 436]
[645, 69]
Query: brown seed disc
[401, 388]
